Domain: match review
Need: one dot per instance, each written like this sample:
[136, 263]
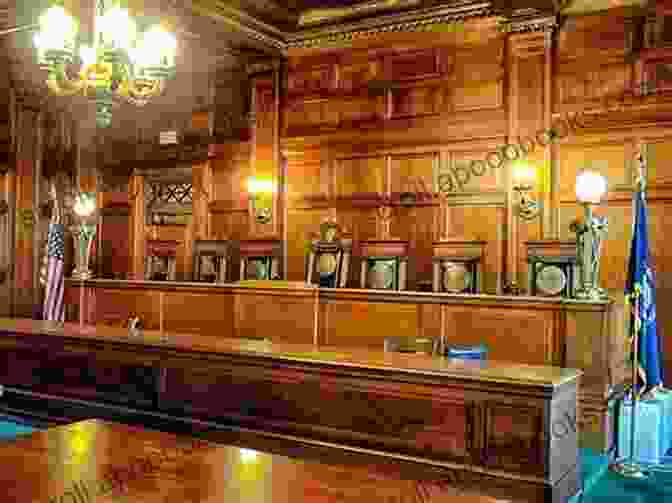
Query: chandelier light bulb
[117, 28]
[57, 29]
[590, 187]
[159, 46]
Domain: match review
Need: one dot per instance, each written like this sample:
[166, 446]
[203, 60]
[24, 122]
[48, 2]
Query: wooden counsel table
[514, 425]
[101, 462]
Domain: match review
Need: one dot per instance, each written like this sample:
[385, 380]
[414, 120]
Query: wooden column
[26, 269]
[511, 221]
[137, 228]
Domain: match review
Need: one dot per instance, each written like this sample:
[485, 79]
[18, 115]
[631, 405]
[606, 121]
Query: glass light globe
[57, 30]
[117, 27]
[524, 174]
[85, 205]
[259, 185]
[590, 187]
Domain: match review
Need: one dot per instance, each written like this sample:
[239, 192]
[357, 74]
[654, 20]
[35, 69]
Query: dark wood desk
[515, 424]
[100, 462]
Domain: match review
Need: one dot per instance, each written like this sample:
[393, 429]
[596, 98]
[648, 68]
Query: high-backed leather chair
[160, 260]
[329, 258]
[212, 260]
[384, 264]
[260, 259]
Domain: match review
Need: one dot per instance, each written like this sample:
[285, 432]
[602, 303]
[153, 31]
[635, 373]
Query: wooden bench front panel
[448, 424]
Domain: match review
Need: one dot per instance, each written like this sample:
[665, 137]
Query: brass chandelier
[119, 64]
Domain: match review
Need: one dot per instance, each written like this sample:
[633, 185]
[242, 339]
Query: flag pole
[629, 467]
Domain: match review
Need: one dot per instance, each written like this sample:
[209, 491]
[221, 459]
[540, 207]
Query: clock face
[456, 277]
[551, 280]
[380, 275]
[327, 263]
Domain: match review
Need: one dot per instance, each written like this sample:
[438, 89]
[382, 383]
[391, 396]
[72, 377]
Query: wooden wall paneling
[416, 225]
[460, 162]
[301, 223]
[593, 60]
[230, 170]
[413, 172]
[202, 313]
[529, 333]
[479, 222]
[478, 83]
[613, 159]
[360, 222]
[260, 315]
[116, 307]
[658, 153]
[360, 177]
[351, 323]
[115, 247]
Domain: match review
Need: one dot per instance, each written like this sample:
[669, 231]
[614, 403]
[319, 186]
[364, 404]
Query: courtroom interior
[400, 250]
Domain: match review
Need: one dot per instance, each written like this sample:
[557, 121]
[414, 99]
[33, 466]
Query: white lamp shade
[590, 187]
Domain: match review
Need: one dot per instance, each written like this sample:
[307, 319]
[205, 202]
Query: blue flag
[641, 294]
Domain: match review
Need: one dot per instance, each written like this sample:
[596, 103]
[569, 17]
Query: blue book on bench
[478, 352]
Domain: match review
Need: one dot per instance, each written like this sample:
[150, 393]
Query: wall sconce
[524, 177]
[590, 188]
[84, 233]
[261, 192]
[4, 240]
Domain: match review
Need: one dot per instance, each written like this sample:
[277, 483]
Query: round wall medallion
[551, 280]
[456, 277]
[327, 263]
[380, 276]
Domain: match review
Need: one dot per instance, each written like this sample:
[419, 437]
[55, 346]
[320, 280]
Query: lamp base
[629, 469]
[591, 293]
[82, 275]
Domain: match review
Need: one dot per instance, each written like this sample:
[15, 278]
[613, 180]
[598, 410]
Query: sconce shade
[524, 174]
[260, 185]
[590, 187]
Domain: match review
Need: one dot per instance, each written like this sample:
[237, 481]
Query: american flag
[54, 309]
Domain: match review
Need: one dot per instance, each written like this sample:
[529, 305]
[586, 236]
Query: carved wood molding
[518, 19]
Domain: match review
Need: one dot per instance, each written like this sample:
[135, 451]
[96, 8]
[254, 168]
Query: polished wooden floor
[96, 461]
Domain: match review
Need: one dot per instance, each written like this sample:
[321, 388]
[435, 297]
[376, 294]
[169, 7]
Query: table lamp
[84, 233]
[590, 188]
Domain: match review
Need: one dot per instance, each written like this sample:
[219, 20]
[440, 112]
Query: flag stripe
[54, 308]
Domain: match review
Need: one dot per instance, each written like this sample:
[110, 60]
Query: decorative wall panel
[613, 160]
[360, 177]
